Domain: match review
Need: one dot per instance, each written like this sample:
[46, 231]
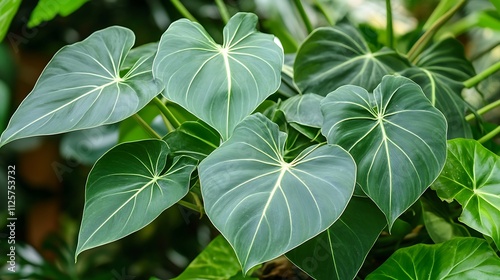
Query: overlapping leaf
[304, 110]
[471, 176]
[440, 71]
[82, 87]
[128, 188]
[396, 136]
[459, 258]
[340, 251]
[194, 139]
[220, 84]
[334, 56]
[265, 206]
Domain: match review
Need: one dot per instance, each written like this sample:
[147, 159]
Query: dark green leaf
[4, 104]
[304, 109]
[194, 139]
[334, 56]
[396, 136]
[471, 176]
[265, 206]
[128, 188]
[220, 84]
[459, 258]
[340, 251]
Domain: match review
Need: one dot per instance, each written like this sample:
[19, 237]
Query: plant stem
[481, 76]
[190, 205]
[304, 16]
[323, 11]
[489, 135]
[422, 42]
[146, 127]
[389, 27]
[223, 10]
[168, 115]
[182, 9]
[483, 110]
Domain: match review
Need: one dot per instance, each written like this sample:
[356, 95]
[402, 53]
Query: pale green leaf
[8, 9]
[46, 10]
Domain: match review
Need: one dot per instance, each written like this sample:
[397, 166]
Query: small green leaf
[334, 56]
[340, 251]
[128, 188]
[471, 176]
[265, 206]
[81, 88]
[459, 258]
[396, 136]
[194, 139]
[220, 84]
[216, 262]
[304, 110]
[440, 71]
[46, 10]
[7, 11]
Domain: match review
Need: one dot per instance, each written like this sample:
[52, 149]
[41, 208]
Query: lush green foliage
[314, 169]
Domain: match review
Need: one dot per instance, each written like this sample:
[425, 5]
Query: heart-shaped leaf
[396, 136]
[334, 56]
[220, 84]
[265, 206]
[128, 188]
[459, 258]
[340, 251]
[440, 71]
[81, 87]
[471, 176]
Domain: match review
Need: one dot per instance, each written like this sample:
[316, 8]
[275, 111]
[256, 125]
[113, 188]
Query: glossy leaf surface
[396, 136]
[457, 259]
[194, 139]
[220, 84]
[82, 87]
[340, 251]
[334, 56]
[265, 206]
[128, 188]
[440, 71]
[304, 110]
[471, 176]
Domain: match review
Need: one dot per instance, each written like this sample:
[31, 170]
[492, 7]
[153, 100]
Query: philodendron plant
[314, 170]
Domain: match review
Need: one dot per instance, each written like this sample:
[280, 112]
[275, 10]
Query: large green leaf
[340, 251]
[46, 10]
[7, 11]
[396, 136]
[265, 206]
[459, 258]
[471, 176]
[220, 84]
[81, 87]
[217, 262]
[440, 71]
[128, 188]
[334, 56]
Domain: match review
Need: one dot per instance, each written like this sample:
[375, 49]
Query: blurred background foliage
[51, 171]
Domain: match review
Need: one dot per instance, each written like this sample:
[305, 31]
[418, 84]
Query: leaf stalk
[303, 15]
[222, 10]
[182, 9]
[146, 126]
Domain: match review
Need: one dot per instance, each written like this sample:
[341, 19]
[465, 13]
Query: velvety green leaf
[334, 56]
[440, 71]
[88, 145]
[194, 139]
[220, 84]
[81, 87]
[396, 136]
[471, 176]
[457, 259]
[46, 10]
[304, 110]
[340, 251]
[7, 11]
[217, 261]
[265, 206]
[128, 188]
[439, 221]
